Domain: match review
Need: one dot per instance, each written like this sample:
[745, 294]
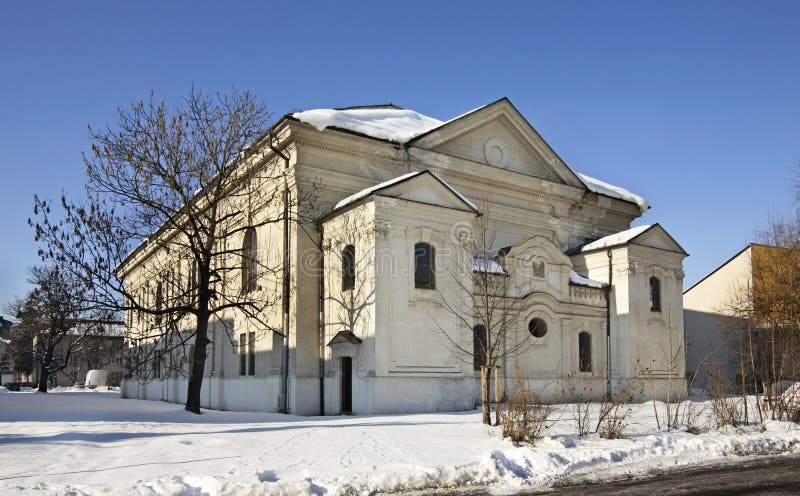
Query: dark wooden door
[347, 385]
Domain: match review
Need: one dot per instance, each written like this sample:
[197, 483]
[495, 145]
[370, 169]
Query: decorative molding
[629, 269]
[495, 153]
[679, 274]
[382, 229]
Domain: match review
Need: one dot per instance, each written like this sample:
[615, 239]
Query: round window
[537, 327]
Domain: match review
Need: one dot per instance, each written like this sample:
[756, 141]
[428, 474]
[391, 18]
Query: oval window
[537, 327]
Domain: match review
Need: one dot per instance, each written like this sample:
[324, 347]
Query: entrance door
[347, 385]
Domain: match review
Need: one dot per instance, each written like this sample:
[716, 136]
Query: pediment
[657, 237]
[344, 338]
[536, 248]
[428, 189]
[499, 136]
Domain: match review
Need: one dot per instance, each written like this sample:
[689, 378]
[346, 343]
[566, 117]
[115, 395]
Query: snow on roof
[402, 125]
[578, 279]
[388, 123]
[488, 266]
[619, 238]
[604, 188]
[368, 191]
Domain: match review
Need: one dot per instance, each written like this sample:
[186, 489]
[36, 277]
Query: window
[73, 376]
[348, 267]
[118, 360]
[251, 353]
[157, 364]
[478, 347]
[249, 260]
[655, 294]
[242, 354]
[159, 302]
[424, 256]
[584, 352]
[537, 327]
[194, 272]
[247, 353]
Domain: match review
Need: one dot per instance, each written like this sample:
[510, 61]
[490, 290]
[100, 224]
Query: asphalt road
[773, 475]
[754, 476]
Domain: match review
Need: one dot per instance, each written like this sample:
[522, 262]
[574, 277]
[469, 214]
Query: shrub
[524, 417]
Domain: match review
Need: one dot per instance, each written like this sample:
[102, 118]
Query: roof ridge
[389, 105]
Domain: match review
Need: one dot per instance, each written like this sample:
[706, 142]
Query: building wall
[704, 318]
[399, 352]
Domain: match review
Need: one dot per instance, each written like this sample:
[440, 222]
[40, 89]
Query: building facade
[377, 317]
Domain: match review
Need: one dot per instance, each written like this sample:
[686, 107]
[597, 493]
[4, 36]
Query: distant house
[708, 312]
[6, 355]
[98, 350]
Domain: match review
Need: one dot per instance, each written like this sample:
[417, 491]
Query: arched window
[194, 277]
[424, 256]
[348, 267]
[249, 260]
[537, 327]
[479, 350]
[655, 294]
[584, 352]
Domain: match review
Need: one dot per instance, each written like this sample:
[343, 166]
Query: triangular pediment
[344, 338]
[657, 237]
[499, 136]
[429, 189]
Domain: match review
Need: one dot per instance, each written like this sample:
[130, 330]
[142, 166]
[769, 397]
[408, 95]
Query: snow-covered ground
[93, 442]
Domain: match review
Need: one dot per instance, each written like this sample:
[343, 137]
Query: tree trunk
[487, 417]
[497, 395]
[44, 375]
[199, 359]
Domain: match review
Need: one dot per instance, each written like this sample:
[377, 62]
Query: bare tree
[181, 203]
[49, 315]
[481, 303]
[349, 254]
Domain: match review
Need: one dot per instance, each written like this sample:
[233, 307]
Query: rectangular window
[242, 354]
[247, 353]
[157, 364]
[584, 352]
[251, 353]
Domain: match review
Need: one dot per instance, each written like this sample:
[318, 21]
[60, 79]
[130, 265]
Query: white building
[375, 332]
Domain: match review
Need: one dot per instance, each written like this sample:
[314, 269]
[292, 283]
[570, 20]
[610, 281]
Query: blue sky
[694, 105]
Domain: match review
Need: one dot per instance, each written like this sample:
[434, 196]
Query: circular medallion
[495, 152]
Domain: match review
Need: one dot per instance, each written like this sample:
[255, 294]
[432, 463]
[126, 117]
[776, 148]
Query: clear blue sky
[694, 105]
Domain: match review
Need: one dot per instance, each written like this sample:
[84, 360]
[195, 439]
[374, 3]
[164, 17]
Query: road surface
[773, 475]
[752, 476]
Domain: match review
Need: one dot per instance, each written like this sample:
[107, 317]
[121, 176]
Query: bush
[524, 417]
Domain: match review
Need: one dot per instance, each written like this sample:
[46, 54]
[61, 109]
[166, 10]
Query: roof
[603, 188]
[624, 238]
[723, 264]
[487, 266]
[342, 337]
[364, 193]
[578, 280]
[389, 123]
[403, 126]
[620, 238]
